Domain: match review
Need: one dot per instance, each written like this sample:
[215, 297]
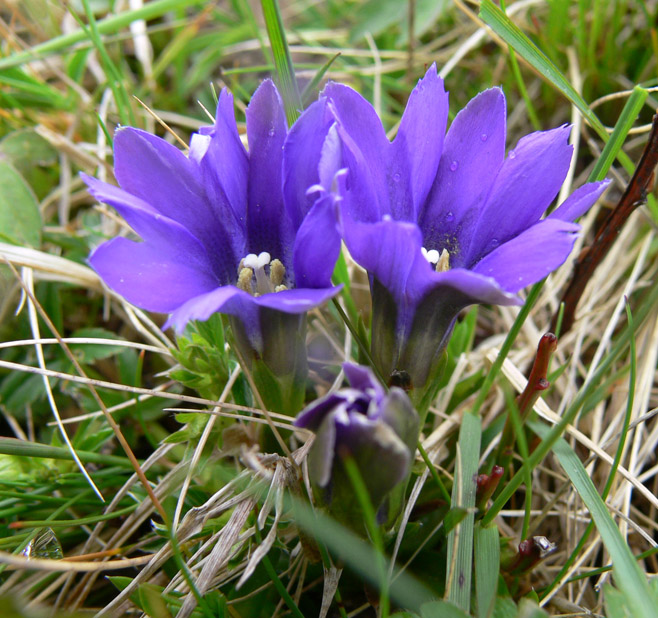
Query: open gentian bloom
[378, 430]
[441, 222]
[226, 230]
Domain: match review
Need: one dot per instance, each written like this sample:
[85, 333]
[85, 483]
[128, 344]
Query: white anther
[257, 262]
[432, 256]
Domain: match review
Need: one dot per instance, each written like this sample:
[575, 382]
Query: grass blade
[460, 541]
[628, 575]
[487, 565]
[507, 30]
[282, 60]
[110, 25]
[626, 119]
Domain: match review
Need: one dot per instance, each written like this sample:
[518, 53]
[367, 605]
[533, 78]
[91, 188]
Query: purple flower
[226, 230]
[442, 222]
[378, 430]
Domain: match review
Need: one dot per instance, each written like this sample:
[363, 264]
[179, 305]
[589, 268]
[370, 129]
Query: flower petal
[157, 172]
[417, 146]
[526, 184]
[390, 252]
[301, 154]
[268, 227]
[164, 234]
[313, 415]
[224, 167]
[579, 202]
[366, 152]
[473, 152]
[381, 456]
[317, 245]
[362, 379]
[149, 276]
[530, 256]
[299, 300]
[321, 456]
[226, 299]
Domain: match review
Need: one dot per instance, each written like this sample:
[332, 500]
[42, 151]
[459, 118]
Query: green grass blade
[113, 74]
[487, 566]
[626, 119]
[628, 575]
[317, 78]
[507, 30]
[22, 448]
[405, 590]
[282, 60]
[460, 540]
[110, 25]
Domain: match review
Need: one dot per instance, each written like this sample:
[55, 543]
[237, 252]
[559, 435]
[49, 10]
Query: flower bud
[376, 429]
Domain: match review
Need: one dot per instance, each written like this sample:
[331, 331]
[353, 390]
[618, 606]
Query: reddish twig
[590, 257]
[537, 383]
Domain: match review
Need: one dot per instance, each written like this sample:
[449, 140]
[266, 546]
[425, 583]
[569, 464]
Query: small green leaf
[441, 609]
[20, 219]
[90, 352]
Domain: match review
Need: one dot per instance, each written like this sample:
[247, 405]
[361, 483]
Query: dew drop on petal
[271, 132]
[512, 154]
[453, 166]
[494, 242]
[396, 177]
[483, 137]
[449, 217]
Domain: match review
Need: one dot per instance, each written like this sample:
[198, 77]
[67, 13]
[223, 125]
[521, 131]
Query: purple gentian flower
[379, 430]
[441, 222]
[226, 230]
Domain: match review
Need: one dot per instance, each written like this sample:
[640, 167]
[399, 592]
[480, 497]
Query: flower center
[255, 280]
[441, 261]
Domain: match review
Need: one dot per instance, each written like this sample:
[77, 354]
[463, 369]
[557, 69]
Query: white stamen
[432, 256]
[253, 266]
[257, 261]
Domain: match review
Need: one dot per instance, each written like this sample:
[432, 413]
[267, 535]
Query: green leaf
[26, 149]
[529, 609]
[628, 575]
[152, 602]
[487, 567]
[615, 603]
[90, 352]
[441, 609]
[20, 219]
[505, 608]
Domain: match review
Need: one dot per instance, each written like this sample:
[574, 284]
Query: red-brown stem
[537, 383]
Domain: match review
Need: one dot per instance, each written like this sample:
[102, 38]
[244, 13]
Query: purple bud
[376, 429]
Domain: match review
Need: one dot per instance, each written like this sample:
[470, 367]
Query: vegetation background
[72, 354]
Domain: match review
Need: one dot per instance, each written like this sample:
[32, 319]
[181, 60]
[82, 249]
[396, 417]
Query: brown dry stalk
[590, 257]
